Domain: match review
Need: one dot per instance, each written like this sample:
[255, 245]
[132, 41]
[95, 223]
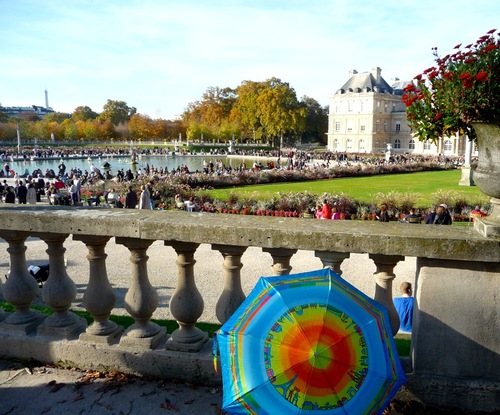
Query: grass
[403, 342]
[364, 188]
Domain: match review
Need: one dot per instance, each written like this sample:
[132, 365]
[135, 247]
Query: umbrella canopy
[308, 342]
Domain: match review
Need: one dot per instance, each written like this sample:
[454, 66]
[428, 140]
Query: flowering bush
[462, 88]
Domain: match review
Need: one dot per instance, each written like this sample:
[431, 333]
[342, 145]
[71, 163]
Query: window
[362, 145]
[393, 107]
[378, 105]
[448, 146]
[398, 126]
[349, 107]
[385, 126]
[349, 144]
[385, 107]
[397, 143]
[336, 144]
[337, 125]
[427, 145]
[411, 144]
[349, 126]
[362, 125]
[377, 128]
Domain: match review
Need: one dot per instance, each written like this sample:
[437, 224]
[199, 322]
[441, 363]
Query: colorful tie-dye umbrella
[306, 343]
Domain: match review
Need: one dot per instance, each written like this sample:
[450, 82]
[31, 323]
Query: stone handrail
[456, 303]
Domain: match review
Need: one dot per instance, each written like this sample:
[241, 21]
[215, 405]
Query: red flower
[490, 47]
[482, 76]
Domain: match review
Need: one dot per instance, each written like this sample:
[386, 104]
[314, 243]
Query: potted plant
[461, 94]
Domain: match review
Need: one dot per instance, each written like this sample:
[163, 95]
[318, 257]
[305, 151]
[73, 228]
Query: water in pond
[116, 163]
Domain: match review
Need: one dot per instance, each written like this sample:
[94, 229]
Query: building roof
[366, 82]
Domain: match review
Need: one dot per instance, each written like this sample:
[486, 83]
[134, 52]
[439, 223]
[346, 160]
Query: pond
[116, 163]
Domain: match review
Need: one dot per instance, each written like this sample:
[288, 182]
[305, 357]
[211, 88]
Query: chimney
[376, 73]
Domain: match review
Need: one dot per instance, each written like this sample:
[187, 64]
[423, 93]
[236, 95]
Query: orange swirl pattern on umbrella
[312, 351]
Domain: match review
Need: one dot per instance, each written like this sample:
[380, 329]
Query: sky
[160, 55]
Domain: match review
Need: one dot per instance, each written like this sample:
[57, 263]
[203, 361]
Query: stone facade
[367, 115]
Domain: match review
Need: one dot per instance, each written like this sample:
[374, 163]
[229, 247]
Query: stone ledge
[394, 238]
[197, 368]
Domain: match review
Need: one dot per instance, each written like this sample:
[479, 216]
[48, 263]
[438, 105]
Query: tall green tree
[316, 121]
[83, 113]
[246, 108]
[117, 112]
[279, 110]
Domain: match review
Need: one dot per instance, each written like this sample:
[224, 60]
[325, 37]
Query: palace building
[367, 115]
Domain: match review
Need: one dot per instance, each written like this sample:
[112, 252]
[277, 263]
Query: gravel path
[162, 271]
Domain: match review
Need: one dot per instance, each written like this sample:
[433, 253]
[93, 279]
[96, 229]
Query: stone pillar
[467, 178]
[383, 289]
[141, 299]
[186, 304]
[99, 298]
[456, 334]
[58, 292]
[281, 259]
[332, 259]
[21, 288]
[232, 295]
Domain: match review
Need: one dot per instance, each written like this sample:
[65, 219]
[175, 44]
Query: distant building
[367, 115]
[27, 111]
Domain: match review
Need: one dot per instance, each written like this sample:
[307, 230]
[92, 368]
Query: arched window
[411, 144]
[397, 143]
[448, 146]
[427, 144]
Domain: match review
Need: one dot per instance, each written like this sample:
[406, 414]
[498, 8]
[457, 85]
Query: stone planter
[487, 175]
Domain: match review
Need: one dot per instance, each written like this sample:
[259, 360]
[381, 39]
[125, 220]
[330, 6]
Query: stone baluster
[332, 259]
[99, 298]
[281, 259]
[186, 304]
[232, 295]
[383, 289]
[58, 292]
[21, 288]
[141, 299]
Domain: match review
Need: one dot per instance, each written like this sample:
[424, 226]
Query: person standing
[10, 196]
[22, 192]
[144, 200]
[31, 195]
[404, 306]
[130, 199]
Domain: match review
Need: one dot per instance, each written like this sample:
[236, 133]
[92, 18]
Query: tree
[70, 130]
[83, 113]
[117, 112]
[57, 117]
[140, 127]
[316, 121]
[210, 113]
[279, 110]
[246, 109]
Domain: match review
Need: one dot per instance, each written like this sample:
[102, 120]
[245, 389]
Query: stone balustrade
[455, 356]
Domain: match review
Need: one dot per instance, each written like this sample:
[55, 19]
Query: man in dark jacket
[22, 192]
[10, 196]
[131, 199]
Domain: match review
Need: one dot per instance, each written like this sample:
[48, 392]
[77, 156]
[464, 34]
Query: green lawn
[363, 188]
